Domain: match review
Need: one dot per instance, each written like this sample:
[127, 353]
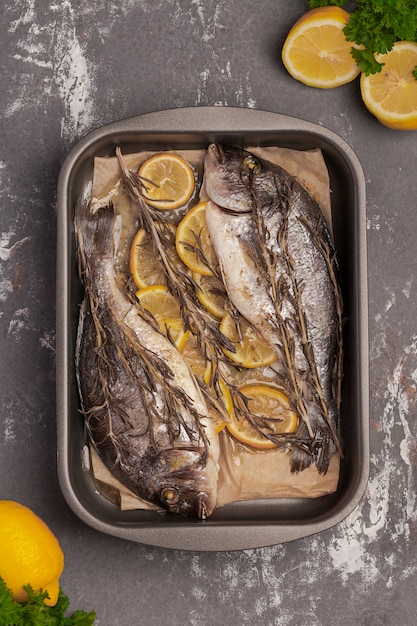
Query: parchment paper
[244, 474]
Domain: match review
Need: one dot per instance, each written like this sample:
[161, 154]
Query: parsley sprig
[377, 25]
[35, 613]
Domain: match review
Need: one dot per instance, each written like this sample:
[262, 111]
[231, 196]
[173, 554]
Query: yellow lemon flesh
[158, 301]
[168, 179]
[211, 294]
[316, 52]
[29, 552]
[391, 95]
[251, 350]
[193, 241]
[197, 363]
[145, 265]
[202, 370]
[267, 405]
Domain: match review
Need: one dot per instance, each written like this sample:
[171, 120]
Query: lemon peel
[316, 51]
[193, 241]
[391, 95]
[169, 181]
[272, 406]
[29, 552]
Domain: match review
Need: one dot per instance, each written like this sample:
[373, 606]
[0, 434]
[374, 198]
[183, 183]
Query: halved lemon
[251, 348]
[211, 293]
[391, 95]
[270, 409]
[171, 181]
[193, 241]
[158, 300]
[316, 52]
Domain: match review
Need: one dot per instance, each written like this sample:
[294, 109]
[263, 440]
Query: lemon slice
[271, 410]
[171, 179]
[193, 241]
[391, 95]
[201, 368]
[251, 349]
[316, 52]
[211, 293]
[174, 329]
[159, 301]
[227, 401]
[197, 363]
[145, 265]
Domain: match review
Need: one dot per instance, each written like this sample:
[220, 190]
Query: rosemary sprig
[279, 291]
[329, 256]
[290, 292]
[116, 345]
[209, 338]
[197, 250]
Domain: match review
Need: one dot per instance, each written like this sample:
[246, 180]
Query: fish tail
[318, 451]
[324, 449]
[95, 232]
[301, 456]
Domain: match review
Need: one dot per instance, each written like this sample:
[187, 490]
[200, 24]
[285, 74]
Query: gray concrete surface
[67, 68]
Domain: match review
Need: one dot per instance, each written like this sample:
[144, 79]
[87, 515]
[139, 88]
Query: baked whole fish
[278, 266]
[143, 409]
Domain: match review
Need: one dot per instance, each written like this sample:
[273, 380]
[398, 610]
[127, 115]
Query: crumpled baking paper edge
[242, 471]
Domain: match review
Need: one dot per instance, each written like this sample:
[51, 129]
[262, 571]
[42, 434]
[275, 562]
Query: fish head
[233, 177]
[179, 480]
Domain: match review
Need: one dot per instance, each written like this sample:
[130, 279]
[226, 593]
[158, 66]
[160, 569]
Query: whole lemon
[29, 552]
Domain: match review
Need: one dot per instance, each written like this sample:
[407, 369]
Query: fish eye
[250, 163]
[169, 495]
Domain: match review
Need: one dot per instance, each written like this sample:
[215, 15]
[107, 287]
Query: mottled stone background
[69, 66]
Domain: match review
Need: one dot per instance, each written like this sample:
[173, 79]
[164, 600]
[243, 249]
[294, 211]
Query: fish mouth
[222, 188]
[202, 506]
[217, 153]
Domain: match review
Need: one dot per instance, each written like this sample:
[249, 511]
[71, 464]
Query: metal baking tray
[242, 525]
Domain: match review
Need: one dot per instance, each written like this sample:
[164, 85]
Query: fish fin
[301, 456]
[324, 450]
[95, 231]
[318, 450]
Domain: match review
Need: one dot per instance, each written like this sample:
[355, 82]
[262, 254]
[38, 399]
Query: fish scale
[143, 409]
[278, 264]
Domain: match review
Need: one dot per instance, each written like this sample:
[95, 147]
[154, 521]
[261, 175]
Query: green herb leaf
[376, 25]
[10, 611]
[35, 613]
[369, 28]
[314, 4]
[366, 60]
